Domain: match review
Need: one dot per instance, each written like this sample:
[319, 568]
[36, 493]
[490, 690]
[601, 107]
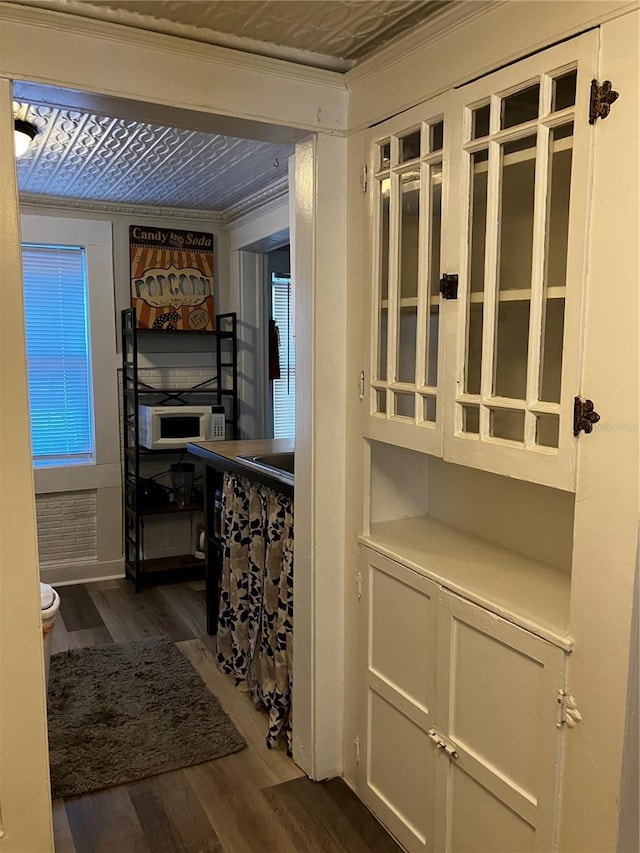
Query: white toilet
[49, 604]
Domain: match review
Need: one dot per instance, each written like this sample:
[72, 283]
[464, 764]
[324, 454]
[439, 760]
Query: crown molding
[115, 209]
[252, 203]
[274, 193]
[442, 24]
[135, 29]
[261, 207]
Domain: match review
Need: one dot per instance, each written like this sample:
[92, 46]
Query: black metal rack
[220, 389]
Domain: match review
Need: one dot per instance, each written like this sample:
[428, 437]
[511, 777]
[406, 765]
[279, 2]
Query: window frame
[275, 279]
[95, 236]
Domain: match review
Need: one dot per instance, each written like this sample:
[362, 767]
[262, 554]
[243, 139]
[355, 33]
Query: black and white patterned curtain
[254, 642]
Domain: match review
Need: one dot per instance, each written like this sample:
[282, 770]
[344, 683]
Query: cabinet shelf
[171, 509]
[525, 591]
[520, 295]
[221, 387]
[511, 295]
[166, 569]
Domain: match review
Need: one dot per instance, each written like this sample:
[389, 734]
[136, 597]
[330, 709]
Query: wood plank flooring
[253, 801]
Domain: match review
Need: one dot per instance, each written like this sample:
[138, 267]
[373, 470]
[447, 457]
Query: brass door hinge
[601, 99]
[584, 416]
[568, 713]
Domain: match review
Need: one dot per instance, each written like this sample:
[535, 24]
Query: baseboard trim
[64, 574]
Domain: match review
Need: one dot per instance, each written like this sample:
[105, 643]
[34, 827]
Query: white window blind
[58, 354]
[284, 389]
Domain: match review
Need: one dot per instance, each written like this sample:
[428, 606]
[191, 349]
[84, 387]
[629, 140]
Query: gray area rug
[126, 711]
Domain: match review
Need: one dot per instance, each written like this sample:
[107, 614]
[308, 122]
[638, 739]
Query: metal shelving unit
[220, 389]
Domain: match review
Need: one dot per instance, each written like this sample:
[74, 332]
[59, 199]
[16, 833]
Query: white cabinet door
[460, 741]
[497, 708]
[522, 165]
[407, 206]
[489, 183]
[399, 643]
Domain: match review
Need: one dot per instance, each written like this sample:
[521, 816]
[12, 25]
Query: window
[58, 354]
[71, 354]
[284, 389]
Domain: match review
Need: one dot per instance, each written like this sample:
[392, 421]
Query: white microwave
[171, 427]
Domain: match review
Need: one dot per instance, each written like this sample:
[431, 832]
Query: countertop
[224, 456]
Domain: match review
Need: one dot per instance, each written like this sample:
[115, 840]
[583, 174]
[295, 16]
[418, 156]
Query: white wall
[25, 799]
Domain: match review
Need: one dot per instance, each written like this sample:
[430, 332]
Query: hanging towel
[274, 350]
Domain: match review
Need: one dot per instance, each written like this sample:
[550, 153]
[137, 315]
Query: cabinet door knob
[449, 286]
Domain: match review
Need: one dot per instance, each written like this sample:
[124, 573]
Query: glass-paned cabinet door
[523, 161]
[402, 383]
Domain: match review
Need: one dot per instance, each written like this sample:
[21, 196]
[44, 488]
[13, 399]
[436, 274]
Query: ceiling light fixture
[24, 134]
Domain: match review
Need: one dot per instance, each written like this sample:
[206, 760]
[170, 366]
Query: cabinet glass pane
[478, 224]
[520, 107]
[551, 367]
[409, 224]
[385, 187]
[385, 155]
[564, 91]
[474, 348]
[515, 254]
[432, 351]
[516, 213]
[404, 405]
[381, 401]
[407, 309]
[480, 122]
[512, 335]
[436, 136]
[435, 237]
[547, 430]
[477, 229]
[406, 364]
[471, 419]
[561, 139]
[507, 423]
[430, 409]
[410, 147]
[382, 345]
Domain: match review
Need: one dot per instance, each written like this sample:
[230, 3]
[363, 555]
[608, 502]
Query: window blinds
[58, 354]
[284, 389]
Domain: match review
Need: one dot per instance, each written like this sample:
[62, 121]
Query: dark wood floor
[254, 801]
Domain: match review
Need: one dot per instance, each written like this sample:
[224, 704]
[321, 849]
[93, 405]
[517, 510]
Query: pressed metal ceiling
[101, 159]
[333, 34]
[89, 158]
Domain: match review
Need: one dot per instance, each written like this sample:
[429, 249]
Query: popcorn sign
[172, 278]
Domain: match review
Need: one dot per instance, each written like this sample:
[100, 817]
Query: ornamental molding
[114, 209]
[253, 204]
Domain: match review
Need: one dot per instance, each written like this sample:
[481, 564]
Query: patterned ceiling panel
[100, 159]
[94, 158]
[345, 30]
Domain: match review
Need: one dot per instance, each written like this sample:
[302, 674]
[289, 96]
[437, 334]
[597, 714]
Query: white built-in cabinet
[478, 202]
[488, 183]
[463, 710]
